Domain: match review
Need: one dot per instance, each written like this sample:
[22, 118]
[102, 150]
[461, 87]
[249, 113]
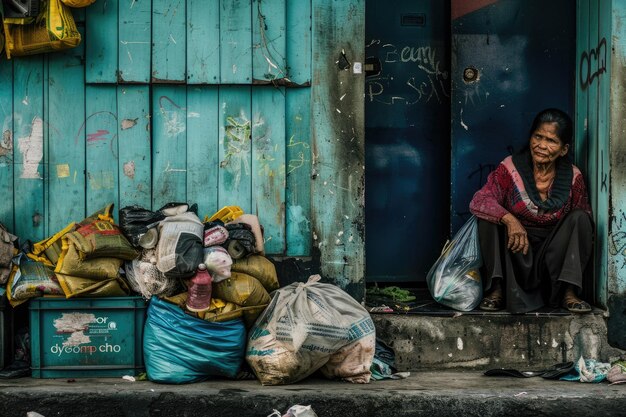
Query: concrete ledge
[495, 340]
[424, 393]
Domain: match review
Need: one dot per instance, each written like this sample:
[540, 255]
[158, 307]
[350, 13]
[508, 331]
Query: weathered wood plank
[66, 138]
[101, 147]
[169, 152]
[298, 46]
[602, 181]
[135, 160]
[28, 155]
[134, 41]
[298, 166]
[338, 143]
[582, 99]
[6, 142]
[101, 42]
[235, 126]
[268, 164]
[617, 177]
[592, 118]
[202, 148]
[236, 42]
[169, 37]
[268, 40]
[203, 42]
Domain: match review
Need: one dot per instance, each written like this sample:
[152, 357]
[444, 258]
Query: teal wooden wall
[617, 180]
[231, 102]
[593, 81]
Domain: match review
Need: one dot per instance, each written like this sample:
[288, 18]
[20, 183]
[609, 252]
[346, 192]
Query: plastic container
[88, 337]
[200, 289]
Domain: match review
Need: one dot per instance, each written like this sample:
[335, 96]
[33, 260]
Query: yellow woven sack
[78, 3]
[100, 238]
[260, 268]
[98, 268]
[241, 289]
[51, 247]
[31, 279]
[218, 311]
[87, 287]
[56, 30]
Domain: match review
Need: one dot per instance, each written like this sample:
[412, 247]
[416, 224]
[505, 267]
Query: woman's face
[545, 145]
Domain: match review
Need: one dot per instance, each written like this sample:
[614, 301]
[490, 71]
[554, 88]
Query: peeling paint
[6, 145]
[128, 123]
[129, 169]
[73, 322]
[31, 148]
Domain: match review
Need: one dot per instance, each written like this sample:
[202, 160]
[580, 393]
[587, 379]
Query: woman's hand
[518, 239]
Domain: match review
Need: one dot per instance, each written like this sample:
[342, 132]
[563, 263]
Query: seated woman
[535, 227]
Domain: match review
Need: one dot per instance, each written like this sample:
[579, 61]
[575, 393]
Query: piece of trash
[520, 394]
[33, 414]
[300, 411]
[295, 411]
[400, 375]
[129, 378]
[381, 309]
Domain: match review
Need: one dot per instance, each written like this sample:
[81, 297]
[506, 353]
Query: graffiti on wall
[592, 64]
[617, 237]
[422, 81]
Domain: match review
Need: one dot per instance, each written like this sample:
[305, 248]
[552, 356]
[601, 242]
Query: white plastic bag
[454, 280]
[304, 325]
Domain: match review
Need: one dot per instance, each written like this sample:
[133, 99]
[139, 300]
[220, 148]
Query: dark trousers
[557, 255]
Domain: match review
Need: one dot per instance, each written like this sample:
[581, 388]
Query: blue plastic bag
[179, 348]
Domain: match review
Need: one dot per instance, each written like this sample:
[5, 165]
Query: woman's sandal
[492, 302]
[576, 305]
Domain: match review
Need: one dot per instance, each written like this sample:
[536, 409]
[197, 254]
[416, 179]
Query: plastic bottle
[199, 291]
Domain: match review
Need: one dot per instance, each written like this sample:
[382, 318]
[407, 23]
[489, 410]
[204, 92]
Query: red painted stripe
[99, 135]
[463, 7]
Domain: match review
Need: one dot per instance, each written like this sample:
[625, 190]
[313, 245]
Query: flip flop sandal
[575, 305]
[492, 303]
[558, 370]
[553, 372]
[513, 372]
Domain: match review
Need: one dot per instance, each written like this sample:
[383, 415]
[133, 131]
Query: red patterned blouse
[505, 193]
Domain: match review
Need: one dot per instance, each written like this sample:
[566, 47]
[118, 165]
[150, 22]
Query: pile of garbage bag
[215, 302]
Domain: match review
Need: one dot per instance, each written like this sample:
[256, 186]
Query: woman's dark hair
[564, 125]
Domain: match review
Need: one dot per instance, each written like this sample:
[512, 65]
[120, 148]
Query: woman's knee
[580, 218]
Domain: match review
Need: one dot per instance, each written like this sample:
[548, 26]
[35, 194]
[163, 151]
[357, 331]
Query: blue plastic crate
[86, 337]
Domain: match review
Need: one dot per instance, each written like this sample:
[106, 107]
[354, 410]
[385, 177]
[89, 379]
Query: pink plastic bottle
[199, 292]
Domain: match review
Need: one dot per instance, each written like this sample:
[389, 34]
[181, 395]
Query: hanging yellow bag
[53, 30]
[78, 3]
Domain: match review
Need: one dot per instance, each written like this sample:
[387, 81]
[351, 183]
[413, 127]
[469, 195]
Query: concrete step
[492, 340]
[441, 394]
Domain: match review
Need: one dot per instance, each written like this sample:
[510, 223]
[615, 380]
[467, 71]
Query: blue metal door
[506, 60]
[510, 60]
[407, 137]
